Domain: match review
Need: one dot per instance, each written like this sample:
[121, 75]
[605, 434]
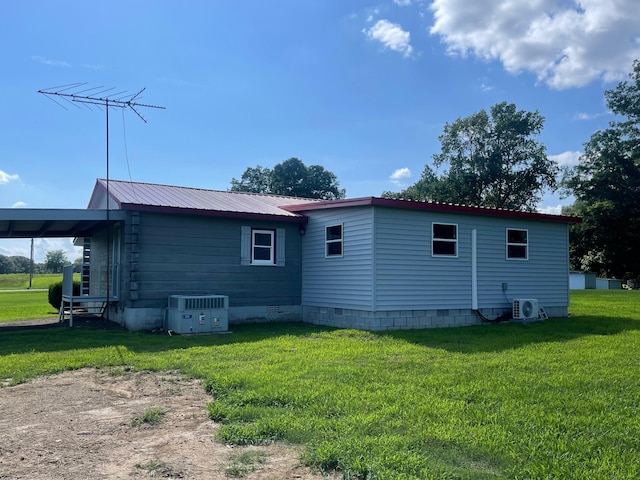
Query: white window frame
[271, 248]
[340, 240]
[435, 239]
[517, 244]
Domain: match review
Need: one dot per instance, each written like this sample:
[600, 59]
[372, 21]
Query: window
[517, 244]
[262, 247]
[333, 241]
[444, 240]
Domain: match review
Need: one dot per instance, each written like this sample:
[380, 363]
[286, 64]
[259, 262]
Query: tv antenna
[100, 97]
[75, 94]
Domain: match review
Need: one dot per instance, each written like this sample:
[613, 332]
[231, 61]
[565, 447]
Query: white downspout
[474, 270]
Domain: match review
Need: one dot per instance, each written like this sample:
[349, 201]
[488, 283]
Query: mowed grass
[548, 400]
[18, 281]
[19, 304]
[25, 305]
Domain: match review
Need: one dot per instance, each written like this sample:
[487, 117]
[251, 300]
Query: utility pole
[76, 93]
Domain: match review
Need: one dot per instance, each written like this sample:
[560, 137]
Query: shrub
[55, 293]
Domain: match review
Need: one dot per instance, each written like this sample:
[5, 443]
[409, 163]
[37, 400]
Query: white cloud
[399, 175]
[551, 209]
[96, 66]
[391, 35]
[569, 159]
[565, 43]
[402, 3]
[44, 245]
[588, 116]
[372, 14]
[19, 205]
[49, 62]
[6, 178]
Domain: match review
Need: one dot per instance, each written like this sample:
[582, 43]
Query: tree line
[495, 159]
[53, 263]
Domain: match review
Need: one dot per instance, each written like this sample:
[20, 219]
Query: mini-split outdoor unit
[524, 309]
[198, 314]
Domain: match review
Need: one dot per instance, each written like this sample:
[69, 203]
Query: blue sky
[363, 88]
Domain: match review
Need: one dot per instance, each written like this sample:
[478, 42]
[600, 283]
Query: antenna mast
[75, 94]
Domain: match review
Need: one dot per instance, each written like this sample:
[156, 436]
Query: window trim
[272, 248]
[447, 240]
[517, 244]
[339, 240]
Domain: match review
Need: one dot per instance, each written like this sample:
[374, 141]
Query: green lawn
[17, 281]
[549, 400]
[25, 305]
[16, 303]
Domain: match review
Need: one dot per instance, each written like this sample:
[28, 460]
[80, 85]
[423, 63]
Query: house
[367, 263]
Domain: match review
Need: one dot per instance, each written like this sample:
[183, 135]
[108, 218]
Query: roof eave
[433, 207]
[297, 218]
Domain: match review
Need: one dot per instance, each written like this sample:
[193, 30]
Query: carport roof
[53, 223]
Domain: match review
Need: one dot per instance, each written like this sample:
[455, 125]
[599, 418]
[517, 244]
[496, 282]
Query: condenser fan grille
[525, 308]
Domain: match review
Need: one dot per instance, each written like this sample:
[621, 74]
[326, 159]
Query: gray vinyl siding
[341, 282]
[186, 254]
[408, 276]
[545, 275]
[388, 262]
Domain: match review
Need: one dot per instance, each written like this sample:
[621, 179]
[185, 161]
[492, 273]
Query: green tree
[253, 180]
[7, 264]
[55, 260]
[491, 160]
[606, 184]
[22, 264]
[291, 178]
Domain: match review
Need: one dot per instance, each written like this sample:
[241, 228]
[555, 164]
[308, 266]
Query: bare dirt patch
[82, 425]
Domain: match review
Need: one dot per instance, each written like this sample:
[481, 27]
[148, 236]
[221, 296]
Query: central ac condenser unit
[525, 309]
[198, 313]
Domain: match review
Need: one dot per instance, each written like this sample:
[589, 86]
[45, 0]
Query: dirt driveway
[88, 424]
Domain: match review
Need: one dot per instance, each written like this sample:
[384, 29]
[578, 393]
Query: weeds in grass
[158, 469]
[120, 371]
[244, 463]
[151, 416]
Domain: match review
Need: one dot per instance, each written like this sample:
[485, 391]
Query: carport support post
[31, 266]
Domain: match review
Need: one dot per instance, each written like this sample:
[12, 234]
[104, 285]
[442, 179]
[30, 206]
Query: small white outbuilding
[582, 280]
[608, 284]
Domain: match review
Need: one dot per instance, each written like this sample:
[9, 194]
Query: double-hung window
[444, 239]
[263, 247]
[333, 241]
[517, 244]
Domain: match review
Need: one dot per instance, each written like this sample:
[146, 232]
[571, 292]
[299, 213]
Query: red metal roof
[168, 198]
[198, 201]
[429, 206]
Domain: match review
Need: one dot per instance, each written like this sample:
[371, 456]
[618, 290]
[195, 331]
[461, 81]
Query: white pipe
[474, 270]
